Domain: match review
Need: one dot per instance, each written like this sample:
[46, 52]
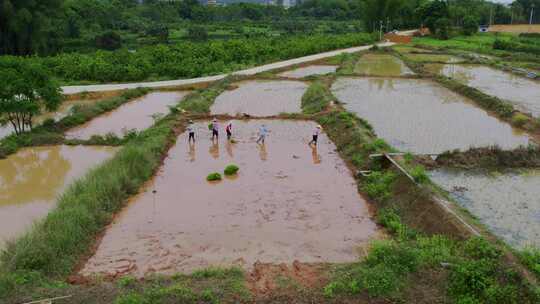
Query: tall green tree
[26, 89]
[28, 26]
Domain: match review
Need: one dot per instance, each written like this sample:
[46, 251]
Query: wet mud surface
[381, 65]
[137, 114]
[289, 202]
[522, 92]
[420, 116]
[261, 98]
[507, 202]
[31, 180]
[309, 71]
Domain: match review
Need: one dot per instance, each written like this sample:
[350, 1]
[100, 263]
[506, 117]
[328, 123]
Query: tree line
[51, 26]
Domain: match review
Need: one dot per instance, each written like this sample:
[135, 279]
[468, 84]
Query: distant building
[211, 2]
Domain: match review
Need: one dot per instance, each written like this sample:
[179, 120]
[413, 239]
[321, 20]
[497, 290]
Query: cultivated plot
[261, 98]
[31, 180]
[381, 65]
[138, 114]
[288, 202]
[442, 58]
[522, 92]
[310, 71]
[422, 117]
[508, 203]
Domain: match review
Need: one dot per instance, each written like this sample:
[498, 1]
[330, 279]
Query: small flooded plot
[508, 203]
[64, 110]
[288, 202]
[420, 116]
[381, 65]
[522, 92]
[138, 114]
[31, 180]
[410, 49]
[261, 98]
[433, 58]
[310, 71]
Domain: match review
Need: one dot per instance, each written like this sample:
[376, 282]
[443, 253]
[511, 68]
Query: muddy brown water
[381, 65]
[61, 112]
[289, 202]
[137, 114]
[310, 71]
[31, 180]
[508, 203]
[261, 98]
[420, 116]
[522, 92]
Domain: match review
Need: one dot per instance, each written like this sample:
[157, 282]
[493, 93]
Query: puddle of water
[136, 114]
[309, 71]
[381, 65]
[31, 180]
[261, 98]
[507, 203]
[522, 92]
[420, 116]
[61, 112]
[289, 202]
[434, 58]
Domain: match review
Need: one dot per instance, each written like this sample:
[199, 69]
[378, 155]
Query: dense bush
[215, 176]
[190, 59]
[231, 170]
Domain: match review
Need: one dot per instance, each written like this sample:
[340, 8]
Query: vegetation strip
[52, 133]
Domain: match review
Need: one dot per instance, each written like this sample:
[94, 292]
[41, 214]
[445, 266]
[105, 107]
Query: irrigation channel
[290, 201]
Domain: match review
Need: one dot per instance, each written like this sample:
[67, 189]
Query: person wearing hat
[316, 133]
[191, 131]
[215, 129]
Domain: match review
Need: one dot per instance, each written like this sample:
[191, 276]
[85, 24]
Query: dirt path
[247, 72]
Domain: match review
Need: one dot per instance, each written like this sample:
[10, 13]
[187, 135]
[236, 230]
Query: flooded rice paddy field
[137, 114]
[381, 65]
[31, 180]
[522, 92]
[507, 203]
[289, 202]
[422, 117]
[310, 71]
[261, 98]
[61, 112]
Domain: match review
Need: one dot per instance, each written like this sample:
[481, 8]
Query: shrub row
[191, 59]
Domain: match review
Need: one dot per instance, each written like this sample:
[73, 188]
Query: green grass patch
[317, 98]
[212, 177]
[200, 101]
[231, 170]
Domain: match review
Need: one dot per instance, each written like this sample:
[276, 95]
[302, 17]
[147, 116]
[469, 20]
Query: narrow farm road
[248, 72]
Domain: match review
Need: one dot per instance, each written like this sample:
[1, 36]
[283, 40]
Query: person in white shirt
[191, 131]
[316, 133]
[215, 129]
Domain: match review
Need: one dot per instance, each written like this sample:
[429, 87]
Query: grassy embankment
[503, 109]
[423, 261]
[510, 51]
[52, 133]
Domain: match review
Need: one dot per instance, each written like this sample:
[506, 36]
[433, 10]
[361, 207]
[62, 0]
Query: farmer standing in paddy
[316, 133]
[228, 129]
[215, 129]
[191, 131]
[262, 134]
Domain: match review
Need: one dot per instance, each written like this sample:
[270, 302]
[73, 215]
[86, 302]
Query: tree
[442, 27]
[26, 89]
[197, 33]
[432, 12]
[470, 25]
[109, 41]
